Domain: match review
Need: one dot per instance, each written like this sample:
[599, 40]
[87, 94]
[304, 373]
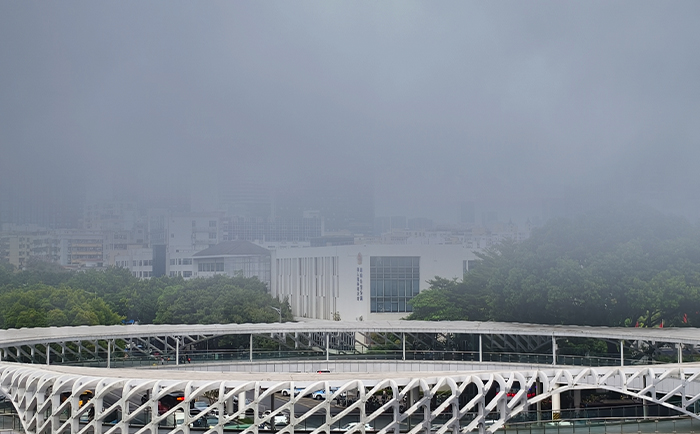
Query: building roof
[233, 248]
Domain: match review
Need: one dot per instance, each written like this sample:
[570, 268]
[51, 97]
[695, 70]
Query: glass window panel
[373, 288]
[395, 306]
[373, 306]
[387, 306]
[402, 288]
[402, 305]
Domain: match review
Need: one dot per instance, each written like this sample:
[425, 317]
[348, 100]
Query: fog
[424, 105]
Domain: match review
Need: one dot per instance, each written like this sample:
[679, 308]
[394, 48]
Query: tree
[43, 306]
[619, 266]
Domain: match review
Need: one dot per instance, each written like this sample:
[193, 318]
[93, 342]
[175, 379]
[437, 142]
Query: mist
[423, 106]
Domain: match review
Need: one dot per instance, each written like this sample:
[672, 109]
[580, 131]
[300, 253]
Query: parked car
[354, 426]
[321, 394]
[287, 392]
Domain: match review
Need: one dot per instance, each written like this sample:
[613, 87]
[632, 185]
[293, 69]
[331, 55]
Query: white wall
[322, 280]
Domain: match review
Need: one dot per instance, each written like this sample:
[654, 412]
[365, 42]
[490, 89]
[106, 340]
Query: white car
[354, 426]
[279, 419]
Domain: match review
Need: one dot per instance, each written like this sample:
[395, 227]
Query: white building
[193, 231]
[138, 261]
[362, 282]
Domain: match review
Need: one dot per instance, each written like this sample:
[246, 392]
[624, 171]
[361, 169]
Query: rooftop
[233, 248]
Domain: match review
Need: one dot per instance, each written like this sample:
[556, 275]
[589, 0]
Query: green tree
[42, 306]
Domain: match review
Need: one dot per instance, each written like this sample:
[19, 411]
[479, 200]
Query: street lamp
[278, 310]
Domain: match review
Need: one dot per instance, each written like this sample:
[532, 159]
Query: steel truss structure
[439, 397]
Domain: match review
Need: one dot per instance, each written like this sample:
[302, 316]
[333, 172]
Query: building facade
[233, 258]
[362, 282]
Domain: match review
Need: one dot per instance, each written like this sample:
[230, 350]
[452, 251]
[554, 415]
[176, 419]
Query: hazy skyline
[505, 104]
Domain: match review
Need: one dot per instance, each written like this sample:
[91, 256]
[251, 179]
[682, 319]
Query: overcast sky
[505, 104]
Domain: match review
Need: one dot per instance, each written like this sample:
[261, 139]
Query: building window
[212, 223]
[186, 274]
[394, 280]
[210, 266]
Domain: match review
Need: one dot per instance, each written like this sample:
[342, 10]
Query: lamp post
[279, 345]
[278, 310]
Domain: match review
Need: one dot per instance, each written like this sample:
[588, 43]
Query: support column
[645, 403]
[481, 349]
[242, 404]
[538, 384]
[328, 340]
[48, 354]
[577, 402]
[554, 350]
[556, 406]
[403, 344]
[109, 354]
[622, 352]
[229, 405]
[177, 350]
[680, 353]
[251, 350]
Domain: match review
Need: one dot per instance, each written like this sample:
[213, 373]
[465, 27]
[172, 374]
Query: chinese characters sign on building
[359, 277]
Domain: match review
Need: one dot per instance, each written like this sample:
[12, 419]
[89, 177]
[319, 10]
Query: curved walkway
[388, 396]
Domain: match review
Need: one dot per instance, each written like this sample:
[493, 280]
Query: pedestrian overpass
[394, 376]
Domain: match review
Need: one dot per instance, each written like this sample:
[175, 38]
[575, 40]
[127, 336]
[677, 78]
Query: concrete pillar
[680, 353]
[622, 352]
[403, 346]
[229, 405]
[251, 348]
[556, 406]
[177, 350]
[554, 350]
[48, 354]
[241, 403]
[328, 340]
[481, 349]
[577, 402]
[109, 354]
[538, 384]
[645, 403]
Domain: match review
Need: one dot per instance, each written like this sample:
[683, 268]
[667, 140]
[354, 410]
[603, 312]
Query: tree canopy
[623, 266]
[43, 295]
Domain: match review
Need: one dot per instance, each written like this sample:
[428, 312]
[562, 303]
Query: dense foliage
[622, 267]
[46, 295]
